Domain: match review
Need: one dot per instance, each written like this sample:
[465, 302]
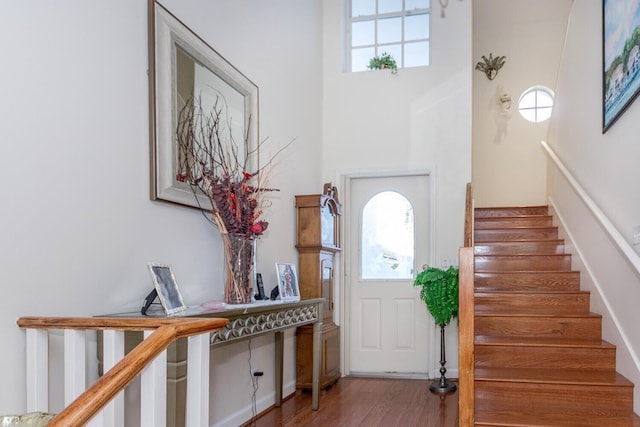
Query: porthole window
[536, 104]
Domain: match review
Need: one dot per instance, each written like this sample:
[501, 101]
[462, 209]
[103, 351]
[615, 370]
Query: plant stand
[442, 385]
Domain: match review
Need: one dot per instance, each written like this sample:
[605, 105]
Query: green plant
[384, 61]
[440, 292]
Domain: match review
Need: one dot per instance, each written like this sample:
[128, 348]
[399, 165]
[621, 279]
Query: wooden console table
[245, 321]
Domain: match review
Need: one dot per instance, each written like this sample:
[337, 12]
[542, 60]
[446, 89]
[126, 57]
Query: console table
[245, 321]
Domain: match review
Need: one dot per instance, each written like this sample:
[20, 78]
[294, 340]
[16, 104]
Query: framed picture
[167, 288]
[287, 282]
[184, 67]
[621, 57]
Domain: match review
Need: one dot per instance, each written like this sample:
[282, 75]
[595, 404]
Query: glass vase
[238, 258]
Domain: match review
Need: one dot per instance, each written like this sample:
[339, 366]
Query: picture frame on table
[287, 281]
[620, 58]
[167, 288]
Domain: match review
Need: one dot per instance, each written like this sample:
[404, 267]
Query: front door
[390, 331]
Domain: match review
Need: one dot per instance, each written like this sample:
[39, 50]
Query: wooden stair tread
[534, 293]
[541, 342]
[488, 418]
[554, 376]
[493, 311]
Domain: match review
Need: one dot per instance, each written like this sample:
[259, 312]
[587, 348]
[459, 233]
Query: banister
[466, 308]
[167, 330]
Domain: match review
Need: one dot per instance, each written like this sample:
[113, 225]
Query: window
[536, 104]
[387, 240]
[397, 27]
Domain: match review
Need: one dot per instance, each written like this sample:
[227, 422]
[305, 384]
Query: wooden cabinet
[318, 240]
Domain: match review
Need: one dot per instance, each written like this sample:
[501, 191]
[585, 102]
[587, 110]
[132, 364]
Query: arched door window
[387, 237]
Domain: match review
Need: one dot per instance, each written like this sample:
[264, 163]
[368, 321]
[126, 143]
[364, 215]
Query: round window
[535, 104]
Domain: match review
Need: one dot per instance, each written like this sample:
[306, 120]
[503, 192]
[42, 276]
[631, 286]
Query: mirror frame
[165, 33]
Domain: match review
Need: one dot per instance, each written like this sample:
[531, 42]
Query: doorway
[388, 331]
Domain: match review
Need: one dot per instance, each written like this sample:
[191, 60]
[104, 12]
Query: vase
[238, 254]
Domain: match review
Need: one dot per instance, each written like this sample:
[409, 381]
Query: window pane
[416, 4]
[389, 30]
[387, 237]
[360, 58]
[416, 54]
[544, 99]
[529, 114]
[363, 33]
[528, 101]
[543, 114]
[387, 6]
[395, 50]
[363, 7]
[416, 27]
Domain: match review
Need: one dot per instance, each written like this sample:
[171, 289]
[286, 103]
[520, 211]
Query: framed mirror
[183, 68]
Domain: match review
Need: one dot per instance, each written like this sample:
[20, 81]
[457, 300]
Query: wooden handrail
[96, 397]
[468, 218]
[466, 309]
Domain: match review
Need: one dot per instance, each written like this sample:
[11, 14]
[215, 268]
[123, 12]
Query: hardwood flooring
[367, 402]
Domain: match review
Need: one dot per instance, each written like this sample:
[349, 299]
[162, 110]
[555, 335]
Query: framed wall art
[620, 57]
[287, 282]
[185, 70]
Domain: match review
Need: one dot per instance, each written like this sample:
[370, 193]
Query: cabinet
[318, 239]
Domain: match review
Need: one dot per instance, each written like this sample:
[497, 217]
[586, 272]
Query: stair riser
[494, 356]
[565, 399]
[558, 281]
[522, 262]
[508, 222]
[520, 248]
[510, 211]
[499, 235]
[586, 328]
[570, 303]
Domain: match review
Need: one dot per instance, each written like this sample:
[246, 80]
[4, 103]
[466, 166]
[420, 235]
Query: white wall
[605, 165]
[419, 119]
[77, 224]
[509, 167]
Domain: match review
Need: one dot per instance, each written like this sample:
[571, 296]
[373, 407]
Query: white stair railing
[102, 403]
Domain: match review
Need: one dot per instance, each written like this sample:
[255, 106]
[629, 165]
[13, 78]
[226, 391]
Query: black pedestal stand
[442, 385]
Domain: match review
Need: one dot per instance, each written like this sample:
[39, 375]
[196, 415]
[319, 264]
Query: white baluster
[153, 395]
[198, 381]
[37, 370]
[74, 364]
[113, 352]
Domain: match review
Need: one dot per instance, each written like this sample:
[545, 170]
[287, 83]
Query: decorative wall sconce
[505, 103]
[491, 66]
[443, 4]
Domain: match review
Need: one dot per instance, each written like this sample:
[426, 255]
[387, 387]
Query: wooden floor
[367, 402]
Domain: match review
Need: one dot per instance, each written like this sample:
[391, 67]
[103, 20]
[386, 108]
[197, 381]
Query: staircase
[539, 355]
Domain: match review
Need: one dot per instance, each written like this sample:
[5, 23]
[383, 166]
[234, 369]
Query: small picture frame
[167, 288]
[287, 282]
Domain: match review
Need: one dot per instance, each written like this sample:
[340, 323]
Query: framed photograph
[621, 58]
[287, 282]
[167, 288]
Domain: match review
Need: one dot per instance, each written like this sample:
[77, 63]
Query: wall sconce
[505, 103]
[491, 66]
[443, 4]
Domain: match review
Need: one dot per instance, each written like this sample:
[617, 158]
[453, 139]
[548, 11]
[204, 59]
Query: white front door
[390, 331]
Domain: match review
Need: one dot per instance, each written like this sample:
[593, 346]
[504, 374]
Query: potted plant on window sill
[439, 291]
[382, 62]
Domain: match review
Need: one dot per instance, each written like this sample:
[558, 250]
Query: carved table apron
[245, 321]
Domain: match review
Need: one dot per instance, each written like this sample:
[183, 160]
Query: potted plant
[439, 291]
[384, 61]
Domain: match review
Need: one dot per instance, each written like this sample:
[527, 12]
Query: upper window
[397, 27]
[536, 104]
[387, 237]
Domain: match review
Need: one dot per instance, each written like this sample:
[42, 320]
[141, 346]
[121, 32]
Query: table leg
[279, 348]
[317, 363]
